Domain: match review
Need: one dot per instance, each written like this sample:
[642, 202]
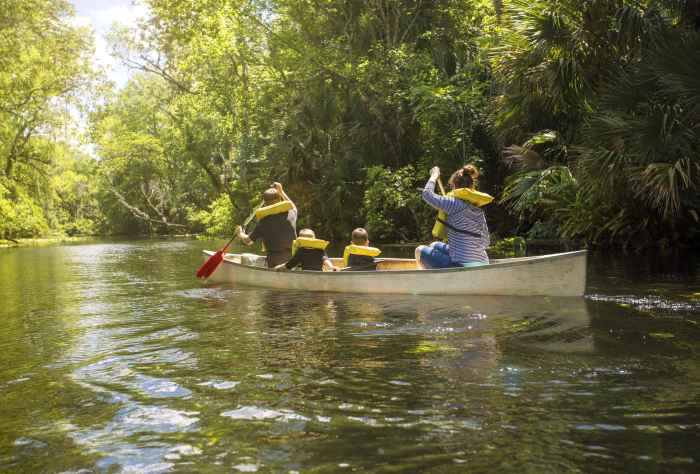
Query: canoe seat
[397, 264]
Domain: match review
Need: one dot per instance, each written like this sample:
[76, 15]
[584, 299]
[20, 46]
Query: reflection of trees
[32, 294]
[478, 386]
[540, 323]
[41, 306]
[321, 331]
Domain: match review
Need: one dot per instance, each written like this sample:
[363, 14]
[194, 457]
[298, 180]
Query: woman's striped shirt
[461, 215]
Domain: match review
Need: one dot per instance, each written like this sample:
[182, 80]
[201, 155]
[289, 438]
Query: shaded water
[114, 359]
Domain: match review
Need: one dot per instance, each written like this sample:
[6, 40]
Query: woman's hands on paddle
[434, 173]
[239, 231]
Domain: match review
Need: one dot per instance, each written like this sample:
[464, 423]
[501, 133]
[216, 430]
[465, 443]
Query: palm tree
[645, 132]
[619, 84]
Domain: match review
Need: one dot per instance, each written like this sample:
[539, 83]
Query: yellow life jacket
[469, 195]
[272, 209]
[353, 249]
[307, 243]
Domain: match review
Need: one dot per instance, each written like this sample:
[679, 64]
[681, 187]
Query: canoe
[561, 274]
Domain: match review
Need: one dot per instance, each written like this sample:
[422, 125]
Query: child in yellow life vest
[309, 252]
[359, 255]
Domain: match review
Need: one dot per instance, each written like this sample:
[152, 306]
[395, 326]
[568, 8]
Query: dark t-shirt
[277, 233]
[361, 263]
[309, 259]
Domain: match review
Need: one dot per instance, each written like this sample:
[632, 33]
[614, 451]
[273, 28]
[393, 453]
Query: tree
[44, 68]
[614, 79]
[44, 63]
[147, 182]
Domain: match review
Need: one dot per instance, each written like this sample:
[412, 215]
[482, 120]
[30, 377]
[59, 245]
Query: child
[309, 252]
[358, 255]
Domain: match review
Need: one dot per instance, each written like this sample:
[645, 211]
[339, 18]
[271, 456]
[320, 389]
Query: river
[114, 358]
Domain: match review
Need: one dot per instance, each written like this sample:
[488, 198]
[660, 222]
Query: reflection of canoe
[562, 274]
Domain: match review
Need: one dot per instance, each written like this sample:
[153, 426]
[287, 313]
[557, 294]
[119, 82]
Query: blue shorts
[437, 255]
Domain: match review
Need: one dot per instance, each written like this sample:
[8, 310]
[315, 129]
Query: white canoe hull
[562, 274]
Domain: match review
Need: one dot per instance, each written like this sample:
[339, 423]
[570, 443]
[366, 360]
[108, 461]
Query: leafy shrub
[81, 226]
[508, 248]
[21, 216]
[393, 206]
[218, 220]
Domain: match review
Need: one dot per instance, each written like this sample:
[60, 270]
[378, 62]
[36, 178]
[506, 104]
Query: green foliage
[252, 93]
[21, 216]
[648, 141]
[508, 248]
[393, 207]
[218, 220]
[74, 205]
[44, 63]
[616, 80]
[146, 179]
[582, 114]
[44, 67]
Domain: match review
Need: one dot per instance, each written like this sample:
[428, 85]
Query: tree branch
[139, 214]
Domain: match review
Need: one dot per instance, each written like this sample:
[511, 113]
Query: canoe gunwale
[491, 266]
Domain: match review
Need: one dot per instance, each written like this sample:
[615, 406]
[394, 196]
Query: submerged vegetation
[584, 116]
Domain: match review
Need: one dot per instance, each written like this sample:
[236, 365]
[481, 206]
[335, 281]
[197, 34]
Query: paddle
[212, 262]
[442, 189]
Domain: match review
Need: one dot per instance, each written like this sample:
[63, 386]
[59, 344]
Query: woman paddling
[461, 220]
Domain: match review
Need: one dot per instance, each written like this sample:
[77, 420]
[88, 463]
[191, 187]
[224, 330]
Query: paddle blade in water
[210, 265]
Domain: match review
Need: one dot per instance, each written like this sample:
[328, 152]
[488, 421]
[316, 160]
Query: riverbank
[57, 240]
[43, 241]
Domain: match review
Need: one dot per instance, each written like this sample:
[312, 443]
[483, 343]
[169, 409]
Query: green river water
[114, 358]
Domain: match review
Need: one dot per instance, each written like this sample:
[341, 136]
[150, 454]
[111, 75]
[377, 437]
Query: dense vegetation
[44, 68]
[584, 116]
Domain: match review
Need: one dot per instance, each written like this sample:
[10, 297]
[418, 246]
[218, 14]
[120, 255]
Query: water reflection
[114, 359]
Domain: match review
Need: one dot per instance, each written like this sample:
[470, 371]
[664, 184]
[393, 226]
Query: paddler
[461, 220]
[277, 222]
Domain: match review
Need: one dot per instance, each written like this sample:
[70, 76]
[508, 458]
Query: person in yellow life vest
[359, 255]
[309, 253]
[277, 223]
[461, 219]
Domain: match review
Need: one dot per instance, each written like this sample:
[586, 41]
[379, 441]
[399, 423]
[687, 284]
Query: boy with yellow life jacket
[277, 221]
[359, 255]
[309, 253]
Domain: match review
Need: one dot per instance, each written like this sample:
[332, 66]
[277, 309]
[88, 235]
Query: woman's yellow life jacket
[353, 249]
[272, 209]
[469, 195]
[308, 243]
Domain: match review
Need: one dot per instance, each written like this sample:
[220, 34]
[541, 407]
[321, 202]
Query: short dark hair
[271, 196]
[359, 236]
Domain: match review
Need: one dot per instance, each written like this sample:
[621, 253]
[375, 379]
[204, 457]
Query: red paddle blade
[210, 265]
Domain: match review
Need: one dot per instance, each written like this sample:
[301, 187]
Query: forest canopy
[583, 115]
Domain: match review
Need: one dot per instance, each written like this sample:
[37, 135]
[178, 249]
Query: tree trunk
[8, 167]
[692, 13]
[498, 6]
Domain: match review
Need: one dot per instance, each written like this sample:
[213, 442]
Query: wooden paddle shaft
[245, 224]
[442, 188]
